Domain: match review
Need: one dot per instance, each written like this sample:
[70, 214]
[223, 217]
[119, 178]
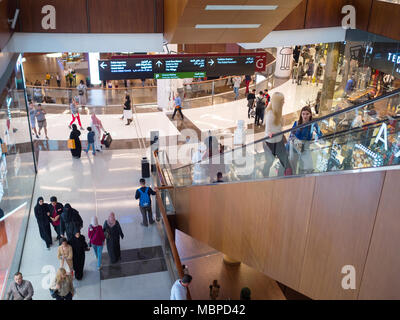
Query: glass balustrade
[363, 136]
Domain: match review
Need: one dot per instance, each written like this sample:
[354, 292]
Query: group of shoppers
[67, 223]
[93, 135]
[259, 103]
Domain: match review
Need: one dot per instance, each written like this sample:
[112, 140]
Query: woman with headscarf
[75, 133]
[42, 216]
[79, 246]
[96, 126]
[70, 221]
[112, 232]
[96, 236]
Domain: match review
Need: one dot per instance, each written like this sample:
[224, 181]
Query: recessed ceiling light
[227, 26]
[239, 7]
[54, 55]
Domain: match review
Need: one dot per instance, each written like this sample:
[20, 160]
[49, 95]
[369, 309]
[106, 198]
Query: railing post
[212, 92]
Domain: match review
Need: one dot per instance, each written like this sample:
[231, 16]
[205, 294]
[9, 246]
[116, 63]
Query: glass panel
[358, 137]
[17, 174]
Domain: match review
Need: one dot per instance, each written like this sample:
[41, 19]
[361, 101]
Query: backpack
[144, 198]
[260, 103]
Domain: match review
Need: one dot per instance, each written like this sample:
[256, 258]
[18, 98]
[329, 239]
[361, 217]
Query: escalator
[329, 230]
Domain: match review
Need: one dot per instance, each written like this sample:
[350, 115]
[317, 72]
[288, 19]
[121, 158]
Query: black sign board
[384, 57]
[140, 68]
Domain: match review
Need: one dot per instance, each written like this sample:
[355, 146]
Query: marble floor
[57, 127]
[95, 186]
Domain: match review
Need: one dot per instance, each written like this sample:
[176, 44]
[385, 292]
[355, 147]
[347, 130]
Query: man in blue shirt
[178, 106]
[144, 195]
[349, 86]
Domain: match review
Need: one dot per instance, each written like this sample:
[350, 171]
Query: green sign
[179, 75]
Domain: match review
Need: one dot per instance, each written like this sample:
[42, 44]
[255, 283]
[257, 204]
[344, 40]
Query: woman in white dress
[96, 126]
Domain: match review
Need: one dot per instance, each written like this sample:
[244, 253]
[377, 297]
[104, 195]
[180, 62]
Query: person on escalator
[300, 140]
[275, 146]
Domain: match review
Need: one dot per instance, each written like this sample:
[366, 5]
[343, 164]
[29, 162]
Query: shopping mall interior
[269, 131]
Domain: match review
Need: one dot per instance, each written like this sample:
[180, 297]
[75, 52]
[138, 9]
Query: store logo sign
[49, 20]
[349, 281]
[349, 20]
[394, 57]
[382, 136]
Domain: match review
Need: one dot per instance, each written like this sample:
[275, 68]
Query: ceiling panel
[181, 21]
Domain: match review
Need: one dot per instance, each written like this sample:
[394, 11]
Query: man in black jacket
[251, 97]
[55, 211]
[71, 221]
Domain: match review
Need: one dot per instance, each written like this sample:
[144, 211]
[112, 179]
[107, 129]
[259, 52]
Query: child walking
[90, 138]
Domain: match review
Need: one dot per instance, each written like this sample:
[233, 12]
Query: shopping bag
[4, 148]
[71, 144]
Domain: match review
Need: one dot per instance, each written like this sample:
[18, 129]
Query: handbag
[53, 293]
[107, 233]
[4, 148]
[71, 144]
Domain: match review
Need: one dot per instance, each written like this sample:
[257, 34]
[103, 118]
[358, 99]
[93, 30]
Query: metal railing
[165, 206]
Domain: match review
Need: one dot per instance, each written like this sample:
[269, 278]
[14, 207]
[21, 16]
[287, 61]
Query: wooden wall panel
[328, 13]
[254, 220]
[286, 229]
[71, 16]
[123, 16]
[381, 278]
[192, 218]
[302, 231]
[160, 16]
[342, 218]
[385, 20]
[295, 20]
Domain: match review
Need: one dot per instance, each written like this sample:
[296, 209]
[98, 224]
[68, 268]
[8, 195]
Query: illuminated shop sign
[384, 57]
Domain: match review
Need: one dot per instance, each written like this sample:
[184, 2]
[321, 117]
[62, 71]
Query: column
[284, 60]
[328, 88]
[230, 261]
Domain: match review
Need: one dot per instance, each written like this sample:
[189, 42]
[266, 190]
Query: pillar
[166, 89]
[328, 88]
[230, 261]
[284, 60]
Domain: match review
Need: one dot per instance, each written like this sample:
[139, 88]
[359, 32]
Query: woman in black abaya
[43, 220]
[79, 246]
[75, 133]
[112, 232]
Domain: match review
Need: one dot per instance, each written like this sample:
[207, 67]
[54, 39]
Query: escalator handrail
[336, 113]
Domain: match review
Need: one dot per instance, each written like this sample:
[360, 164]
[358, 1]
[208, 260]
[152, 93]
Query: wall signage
[180, 66]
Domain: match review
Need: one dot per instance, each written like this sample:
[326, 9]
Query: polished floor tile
[135, 254]
[134, 268]
[151, 286]
[95, 187]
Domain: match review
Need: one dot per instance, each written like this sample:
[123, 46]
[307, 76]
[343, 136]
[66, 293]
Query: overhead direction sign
[179, 75]
[180, 66]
